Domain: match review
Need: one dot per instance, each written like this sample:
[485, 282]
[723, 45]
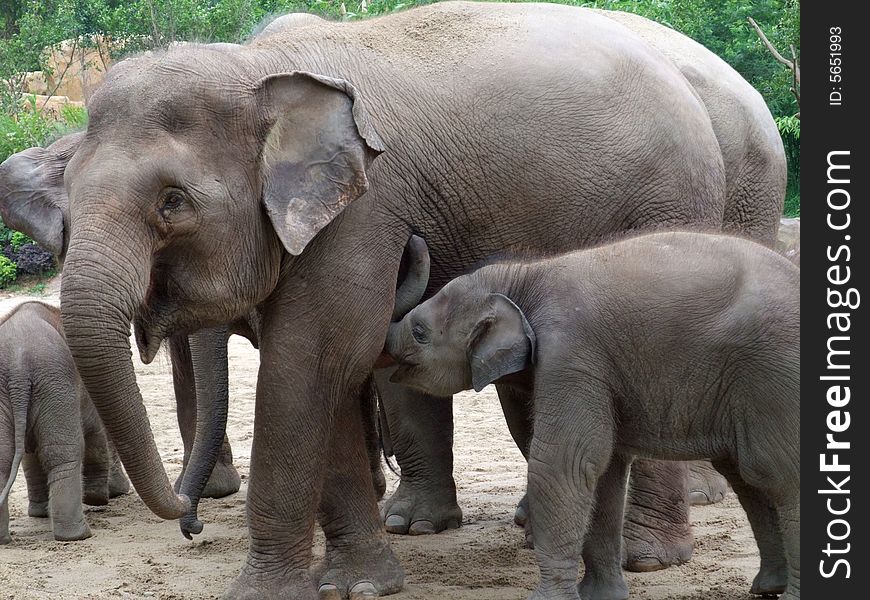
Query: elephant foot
[521, 514]
[549, 594]
[96, 496]
[252, 584]
[37, 509]
[367, 570]
[706, 484]
[647, 549]
[521, 519]
[72, 532]
[593, 589]
[118, 482]
[770, 581]
[5, 538]
[422, 511]
[224, 480]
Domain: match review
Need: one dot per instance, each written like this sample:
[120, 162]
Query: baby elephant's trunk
[19, 398]
[413, 287]
[411, 290]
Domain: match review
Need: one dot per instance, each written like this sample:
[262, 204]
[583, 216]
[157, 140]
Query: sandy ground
[133, 554]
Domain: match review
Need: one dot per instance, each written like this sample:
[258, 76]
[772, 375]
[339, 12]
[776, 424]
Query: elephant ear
[32, 195]
[318, 144]
[501, 343]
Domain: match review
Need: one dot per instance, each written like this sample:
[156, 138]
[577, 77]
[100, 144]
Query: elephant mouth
[148, 340]
[154, 322]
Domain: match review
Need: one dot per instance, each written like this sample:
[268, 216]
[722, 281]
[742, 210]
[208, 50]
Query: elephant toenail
[329, 591]
[362, 590]
[422, 527]
[396, 524]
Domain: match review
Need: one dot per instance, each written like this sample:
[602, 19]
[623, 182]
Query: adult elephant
[522, 133]
[657, 532]
[33, 200]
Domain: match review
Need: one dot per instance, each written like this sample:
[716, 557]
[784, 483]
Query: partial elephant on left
[48, 423]
[33, 200]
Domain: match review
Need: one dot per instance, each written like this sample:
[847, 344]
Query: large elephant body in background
[755, 180]
[507, 127]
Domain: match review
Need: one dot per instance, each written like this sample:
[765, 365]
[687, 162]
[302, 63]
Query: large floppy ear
[501, 343]
[32, 195]
[318, 144]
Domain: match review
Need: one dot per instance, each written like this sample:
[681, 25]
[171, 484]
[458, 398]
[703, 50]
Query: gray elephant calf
[48, 422]
[672, 346]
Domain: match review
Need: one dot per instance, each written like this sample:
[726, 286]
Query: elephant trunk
[100, 292]
[208, 350]
[413, 287]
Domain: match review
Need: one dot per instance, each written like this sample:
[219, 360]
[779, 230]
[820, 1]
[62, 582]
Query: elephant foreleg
[657, 533]
[349, 569]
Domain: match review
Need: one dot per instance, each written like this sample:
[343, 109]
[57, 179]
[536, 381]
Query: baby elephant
[671, 346]
[47, 419]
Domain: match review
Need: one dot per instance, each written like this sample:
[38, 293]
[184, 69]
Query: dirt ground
[133, 554]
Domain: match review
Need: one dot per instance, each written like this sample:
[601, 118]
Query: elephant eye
[419, 333]
[172, 200]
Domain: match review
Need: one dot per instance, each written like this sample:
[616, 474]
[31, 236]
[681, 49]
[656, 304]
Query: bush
[18, 239]
[30, 259]
[8, 271]
[24, 130]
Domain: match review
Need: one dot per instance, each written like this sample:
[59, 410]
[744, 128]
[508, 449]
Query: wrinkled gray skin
[671, 346]
[755, 186]
[789, 239]
[33, 200]
[48, 423]
[34, 177]
[488, 148]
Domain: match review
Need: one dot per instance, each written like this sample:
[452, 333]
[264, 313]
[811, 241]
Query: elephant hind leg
[37, 486]
[657, 533]
[421, 431]
[772, 575]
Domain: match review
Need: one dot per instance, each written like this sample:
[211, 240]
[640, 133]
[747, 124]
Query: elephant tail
[19, 397]
[385, 442]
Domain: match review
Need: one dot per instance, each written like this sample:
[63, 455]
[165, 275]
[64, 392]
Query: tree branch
[779, 57]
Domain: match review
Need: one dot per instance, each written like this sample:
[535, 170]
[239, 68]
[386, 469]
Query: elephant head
[461, 338]
[198, 175]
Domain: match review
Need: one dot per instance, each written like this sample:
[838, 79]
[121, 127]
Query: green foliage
[32, 127]
[8, 271]
[5, 235]
[790, 130]
[23, 129]
[18, 239]
[74, 117]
